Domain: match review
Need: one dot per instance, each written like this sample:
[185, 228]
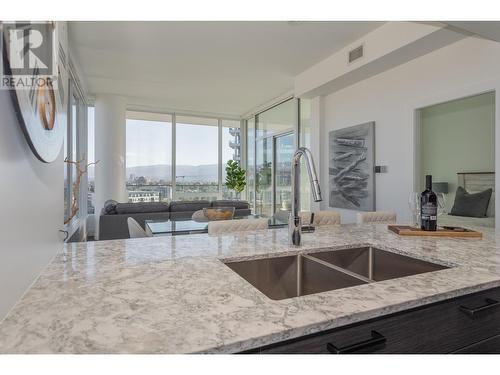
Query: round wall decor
[40, 114]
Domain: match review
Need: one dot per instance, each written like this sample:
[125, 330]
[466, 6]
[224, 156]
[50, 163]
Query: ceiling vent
[355, 54]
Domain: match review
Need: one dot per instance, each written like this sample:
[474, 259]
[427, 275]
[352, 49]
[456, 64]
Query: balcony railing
[234, 144]
[183, 191]
[208, 187]
[164, 191]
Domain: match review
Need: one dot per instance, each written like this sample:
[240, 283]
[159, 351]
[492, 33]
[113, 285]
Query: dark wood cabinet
[488, 346]
[468, 324]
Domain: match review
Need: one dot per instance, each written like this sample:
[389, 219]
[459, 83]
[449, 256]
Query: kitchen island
[175, 295]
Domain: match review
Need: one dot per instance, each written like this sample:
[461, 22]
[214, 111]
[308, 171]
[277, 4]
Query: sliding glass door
[274, 148]
[264, 177]
[250, 188]
[271, 142]
[284, 150]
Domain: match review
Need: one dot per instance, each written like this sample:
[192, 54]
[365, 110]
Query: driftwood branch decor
[81, 169]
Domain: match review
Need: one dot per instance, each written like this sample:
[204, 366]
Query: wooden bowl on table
[219, 213]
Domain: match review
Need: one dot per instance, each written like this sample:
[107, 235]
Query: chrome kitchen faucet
[294, 222]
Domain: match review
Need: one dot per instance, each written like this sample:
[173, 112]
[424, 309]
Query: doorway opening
[455, 143]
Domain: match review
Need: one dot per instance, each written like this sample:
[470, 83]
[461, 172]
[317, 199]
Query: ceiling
[486, 29]
[206, 67]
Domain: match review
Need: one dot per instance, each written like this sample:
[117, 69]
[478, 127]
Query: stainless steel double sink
[289, 276]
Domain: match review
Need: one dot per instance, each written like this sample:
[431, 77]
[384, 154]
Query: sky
[149, 143]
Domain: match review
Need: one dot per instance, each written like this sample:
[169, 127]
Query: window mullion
[174, 147]
[219, 169]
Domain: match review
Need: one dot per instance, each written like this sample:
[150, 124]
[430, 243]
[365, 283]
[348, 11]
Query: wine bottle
[428, 206]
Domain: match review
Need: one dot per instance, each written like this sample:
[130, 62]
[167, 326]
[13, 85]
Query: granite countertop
[174, 295]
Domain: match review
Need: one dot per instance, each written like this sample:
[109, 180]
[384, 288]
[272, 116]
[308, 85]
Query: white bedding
[466, 222]
[473, 182]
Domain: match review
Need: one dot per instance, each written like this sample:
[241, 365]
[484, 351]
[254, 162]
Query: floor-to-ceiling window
[230, 150]
[250, 139]
[305, 141]
[67, 182]
[73, 142]
[264, 177]
[179, 157]
[197, 158]
[70, 152]
[91, 159]
[149, 157]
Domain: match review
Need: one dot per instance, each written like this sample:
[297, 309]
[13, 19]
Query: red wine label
[429, 211]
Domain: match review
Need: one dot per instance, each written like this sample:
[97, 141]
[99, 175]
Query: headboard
[474, 182]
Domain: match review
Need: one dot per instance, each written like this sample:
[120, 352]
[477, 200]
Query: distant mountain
[188, 173]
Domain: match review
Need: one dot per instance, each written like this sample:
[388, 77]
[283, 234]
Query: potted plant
[235, 177]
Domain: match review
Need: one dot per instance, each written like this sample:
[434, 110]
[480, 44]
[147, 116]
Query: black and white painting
[351, 168]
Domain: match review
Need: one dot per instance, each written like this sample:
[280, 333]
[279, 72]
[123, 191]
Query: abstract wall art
[351, 167]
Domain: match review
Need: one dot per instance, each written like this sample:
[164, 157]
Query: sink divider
[332, 266]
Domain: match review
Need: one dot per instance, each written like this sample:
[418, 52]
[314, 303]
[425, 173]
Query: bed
[473, 182]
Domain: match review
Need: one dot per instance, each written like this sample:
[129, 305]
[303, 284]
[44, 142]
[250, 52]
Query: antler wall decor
[80, 171]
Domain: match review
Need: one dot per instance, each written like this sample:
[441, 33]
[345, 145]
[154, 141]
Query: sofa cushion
[110, 207]
[231, 203]
[188, 206]
[114, 227]
[471, 205]
[142, 207]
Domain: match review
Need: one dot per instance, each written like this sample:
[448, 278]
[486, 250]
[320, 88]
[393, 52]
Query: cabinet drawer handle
[376, 339]
[490, 304]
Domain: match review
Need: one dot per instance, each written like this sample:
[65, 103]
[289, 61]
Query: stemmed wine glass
[441, 201]
[414, 204]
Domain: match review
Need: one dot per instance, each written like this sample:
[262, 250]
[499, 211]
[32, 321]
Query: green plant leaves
[235, 176]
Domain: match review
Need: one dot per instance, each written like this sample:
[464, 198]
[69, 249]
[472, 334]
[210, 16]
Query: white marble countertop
[174, 295]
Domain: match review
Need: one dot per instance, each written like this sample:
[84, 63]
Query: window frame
[296, 130]
[220, 120]
[89, 140]
[78, 134]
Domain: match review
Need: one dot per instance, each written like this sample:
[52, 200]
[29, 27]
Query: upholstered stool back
[240, 225]
[320, 218]
[376, 217]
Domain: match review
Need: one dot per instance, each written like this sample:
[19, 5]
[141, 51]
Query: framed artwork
[351, 167]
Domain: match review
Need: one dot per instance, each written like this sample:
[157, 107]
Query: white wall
[464, 68]
[32, 209]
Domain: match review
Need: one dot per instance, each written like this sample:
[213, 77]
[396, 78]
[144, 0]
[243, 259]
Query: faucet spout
[294, 222]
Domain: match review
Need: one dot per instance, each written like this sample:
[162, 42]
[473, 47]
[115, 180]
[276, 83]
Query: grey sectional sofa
[113, 218]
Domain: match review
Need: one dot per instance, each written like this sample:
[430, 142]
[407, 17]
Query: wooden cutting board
[406, 230]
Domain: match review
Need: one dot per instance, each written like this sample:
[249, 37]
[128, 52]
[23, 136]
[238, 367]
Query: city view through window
[149, 148]
[150, 153]
[149, 158]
